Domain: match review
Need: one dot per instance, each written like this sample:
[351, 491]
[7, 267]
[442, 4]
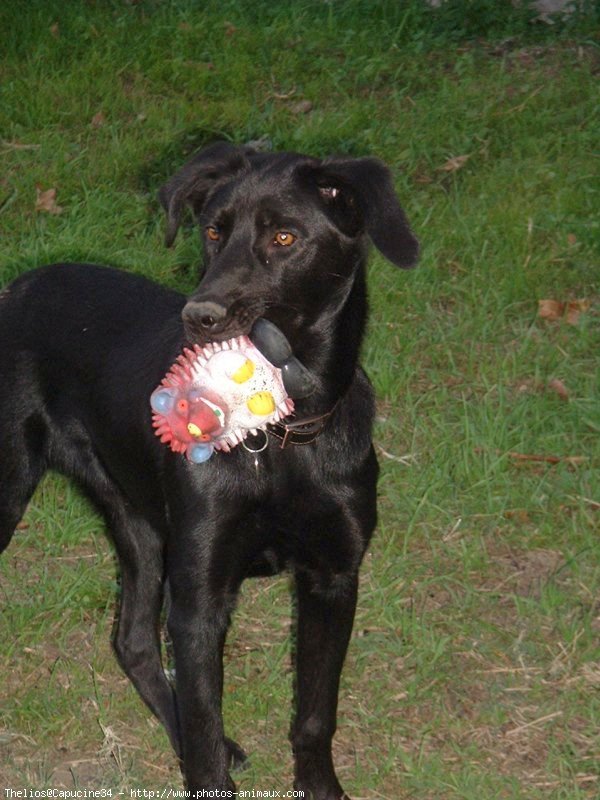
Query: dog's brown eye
[284, 238]
[213, 233]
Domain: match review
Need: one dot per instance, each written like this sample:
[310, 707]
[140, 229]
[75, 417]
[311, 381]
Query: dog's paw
[322, 793]
[238, 760]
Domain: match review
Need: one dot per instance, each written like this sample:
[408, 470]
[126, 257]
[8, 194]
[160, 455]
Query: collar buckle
[301, 431]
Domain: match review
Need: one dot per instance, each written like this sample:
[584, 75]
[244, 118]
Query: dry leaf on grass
[45, 201]
[558, 387]
[301, 107]
[551, 310]
[98, 120]
[520, 515]
[453, 164]
[5, 145]
[574, 309]
[572, 460]
[423, 177]
[555, 310]
[539, 457]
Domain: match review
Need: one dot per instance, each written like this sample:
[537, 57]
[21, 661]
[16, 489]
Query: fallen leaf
[423, 177]
[284, 95]
[551, 310]
[302, 107]
[520, 515]
[554, 310]
[454, 164]
[18, 145]
[535, 457]
[46, 201]
[547, 459]
[574, 310]
[557, 386]
[98, 120]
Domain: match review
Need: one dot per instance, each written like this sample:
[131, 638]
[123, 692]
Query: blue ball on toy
[163, 400]
[199, 453]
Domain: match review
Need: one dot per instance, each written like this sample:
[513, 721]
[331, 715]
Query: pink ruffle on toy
[214, 396]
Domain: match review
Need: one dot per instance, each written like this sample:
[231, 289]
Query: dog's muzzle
[202, 319]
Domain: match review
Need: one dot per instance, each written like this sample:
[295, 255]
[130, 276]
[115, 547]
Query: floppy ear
[193, 182]
[359, 193]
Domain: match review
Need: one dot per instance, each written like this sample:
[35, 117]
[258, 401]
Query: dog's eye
[213, 233]
[284, 238]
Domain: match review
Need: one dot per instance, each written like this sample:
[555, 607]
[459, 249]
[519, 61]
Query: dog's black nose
[206, 314]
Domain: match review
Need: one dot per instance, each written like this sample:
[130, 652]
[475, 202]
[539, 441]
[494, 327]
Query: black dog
[81, 349]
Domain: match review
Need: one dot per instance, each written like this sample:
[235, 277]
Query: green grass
[474, 668]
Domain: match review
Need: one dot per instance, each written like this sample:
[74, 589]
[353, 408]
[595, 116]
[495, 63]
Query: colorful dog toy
[215, 395]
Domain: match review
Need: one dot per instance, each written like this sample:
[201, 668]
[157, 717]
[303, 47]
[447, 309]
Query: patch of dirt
[82, 771]
[525, 574]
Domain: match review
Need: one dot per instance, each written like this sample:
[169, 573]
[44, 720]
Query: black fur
[82, 348]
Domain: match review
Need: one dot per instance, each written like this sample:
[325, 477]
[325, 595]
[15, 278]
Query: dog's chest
[259, 514]
[301, 527]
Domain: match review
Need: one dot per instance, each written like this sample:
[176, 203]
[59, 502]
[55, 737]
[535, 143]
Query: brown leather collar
[300, 431]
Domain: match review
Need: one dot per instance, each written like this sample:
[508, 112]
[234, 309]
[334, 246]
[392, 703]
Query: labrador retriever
[83, 346]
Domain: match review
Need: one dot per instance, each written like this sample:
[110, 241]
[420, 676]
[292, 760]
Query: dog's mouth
[208, 321]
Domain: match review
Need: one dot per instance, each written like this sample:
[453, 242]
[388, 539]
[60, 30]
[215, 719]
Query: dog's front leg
[325, 615]
[198, 622]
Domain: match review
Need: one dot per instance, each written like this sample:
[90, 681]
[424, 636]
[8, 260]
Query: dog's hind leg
[137, 635]
[139, 549]
[22, 465]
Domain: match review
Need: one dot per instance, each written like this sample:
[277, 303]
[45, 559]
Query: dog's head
[284, 235]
